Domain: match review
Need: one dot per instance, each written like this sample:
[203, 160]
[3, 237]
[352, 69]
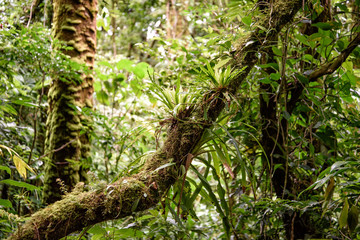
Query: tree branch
[332, 66]
[323, 70]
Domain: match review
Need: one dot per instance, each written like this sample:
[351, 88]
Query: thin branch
[31, 13]
[323, 70]
[58, 149]
[332, 66]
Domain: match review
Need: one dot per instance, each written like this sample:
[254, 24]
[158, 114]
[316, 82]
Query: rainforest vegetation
[179, 119]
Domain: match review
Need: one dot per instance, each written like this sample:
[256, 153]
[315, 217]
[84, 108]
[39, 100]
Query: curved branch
[332, 66]
[323, 70]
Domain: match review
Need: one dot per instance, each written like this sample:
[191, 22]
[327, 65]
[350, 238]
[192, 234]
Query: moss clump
[68, 28]
[91, 42]
[73, 21]
[81, 14]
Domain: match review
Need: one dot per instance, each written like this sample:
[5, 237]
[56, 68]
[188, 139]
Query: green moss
[81, 47]
[66, 7]
[88, 102]
[73, 127]
[91, 42]
[81, 14]
[73, 21]
[92, 29]
[75, 119]
[81, 9]
[131, 191]
[74, 88]
[71, 42]
[68, 28]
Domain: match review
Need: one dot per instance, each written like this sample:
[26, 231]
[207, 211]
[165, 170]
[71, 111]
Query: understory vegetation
[280, 161]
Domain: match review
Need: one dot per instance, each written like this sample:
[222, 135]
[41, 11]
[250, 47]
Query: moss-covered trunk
[67, 137]
[144, 190]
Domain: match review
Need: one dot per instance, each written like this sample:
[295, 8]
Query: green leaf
[275, 76]
[25, 103]
[106, 63]
[265, 80]
[8, 170]
[97, 230]
[139, 72]
[144, 217]
[223, 158]
[302, 78]
[128, 233]
[216, 160]
[108, 86]
[302, 38]
[173, 213]
[97, 86]
[135, 84]
[9, 109]
[349, 66]
[141, 69]
[119, 78]
[19, 184]
[222, 63]
[353, 218]
[321, 182]
[5, 203]
[330, 189]
[164, 166]
[277, 51]
[209, 191]
[322, 25]
[247, 20]
[344, 215]
[336, 165]
[286, 115]
[125, 64]
[103, 97]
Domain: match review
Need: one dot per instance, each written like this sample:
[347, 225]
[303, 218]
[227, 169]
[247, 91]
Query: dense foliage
[144, 80]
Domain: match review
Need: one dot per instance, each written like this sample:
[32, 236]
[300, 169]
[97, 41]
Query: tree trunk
[176, 24]
[67, 137]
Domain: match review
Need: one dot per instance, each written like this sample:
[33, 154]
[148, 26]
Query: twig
[292, 226]
[336, 63]
[31, 13]
[58, 149]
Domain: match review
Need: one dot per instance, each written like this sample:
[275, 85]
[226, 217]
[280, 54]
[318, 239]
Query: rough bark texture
[176, 24]
[74, 23]
[143, 191]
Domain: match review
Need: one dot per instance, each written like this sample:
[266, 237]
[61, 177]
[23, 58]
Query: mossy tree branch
[144, 190]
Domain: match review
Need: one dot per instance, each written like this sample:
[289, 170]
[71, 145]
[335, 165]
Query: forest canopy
[179, 119]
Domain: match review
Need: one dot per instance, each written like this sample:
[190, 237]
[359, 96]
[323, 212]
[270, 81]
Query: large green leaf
[19, 184]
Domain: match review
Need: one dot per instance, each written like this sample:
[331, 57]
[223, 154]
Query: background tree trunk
[67, 137]
[176, 24]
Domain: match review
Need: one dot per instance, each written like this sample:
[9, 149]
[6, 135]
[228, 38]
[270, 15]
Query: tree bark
[144, 190]
[176, 24]
[66, 146]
